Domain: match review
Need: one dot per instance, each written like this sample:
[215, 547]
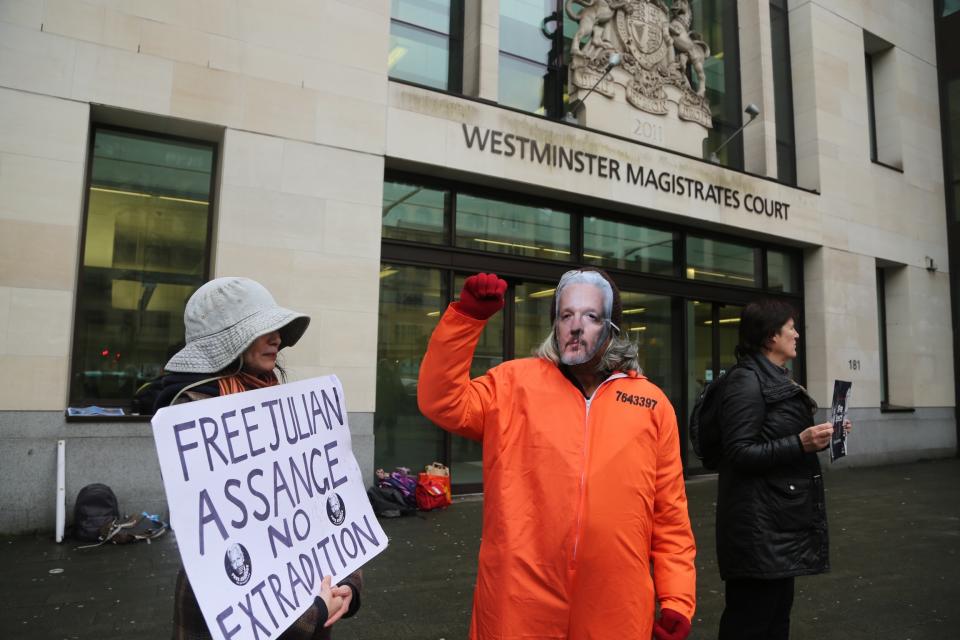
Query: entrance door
[712, 334]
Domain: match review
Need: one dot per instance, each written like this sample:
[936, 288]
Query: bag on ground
[132, 529]
[433, 488]
[96, 506]
[402, 481]
[388, 502]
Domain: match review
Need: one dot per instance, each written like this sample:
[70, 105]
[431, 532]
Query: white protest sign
[266, 498]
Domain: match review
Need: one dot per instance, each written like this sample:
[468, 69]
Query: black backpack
[705, 423]
[96, 506]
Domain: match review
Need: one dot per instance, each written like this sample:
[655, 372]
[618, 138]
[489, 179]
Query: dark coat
[771, 515]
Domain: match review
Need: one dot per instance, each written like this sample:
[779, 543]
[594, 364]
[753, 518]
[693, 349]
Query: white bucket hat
[223, 317]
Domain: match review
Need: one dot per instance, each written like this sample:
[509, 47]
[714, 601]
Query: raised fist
[482, 296]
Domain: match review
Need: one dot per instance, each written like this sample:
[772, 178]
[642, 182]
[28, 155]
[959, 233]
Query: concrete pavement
[895, 538]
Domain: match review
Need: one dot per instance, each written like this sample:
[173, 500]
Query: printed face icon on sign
[335, 509]
[236, 563]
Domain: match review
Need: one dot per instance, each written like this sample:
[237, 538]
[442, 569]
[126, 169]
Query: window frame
[454, 48]
[454, 261]
[81, 292]
[786, 140]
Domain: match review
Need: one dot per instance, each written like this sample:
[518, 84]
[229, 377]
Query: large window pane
[418, 56]
[522, 84]
[723, 262]
[699, 372]
[781, 272]
[411, 300]
[717, 21]
[532, 72]
[502, 227]
[466, 456]
[783, 91]
[728, 333]
[414, 213]
[627, 246]
[429, 14]
[952, 139]
[532, 311]
[648, 321]
[522, 28]
[144, 254]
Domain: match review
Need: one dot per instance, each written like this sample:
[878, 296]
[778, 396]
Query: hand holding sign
[343, 596]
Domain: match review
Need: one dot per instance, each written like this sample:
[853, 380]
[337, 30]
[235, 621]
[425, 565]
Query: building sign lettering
[512, 145]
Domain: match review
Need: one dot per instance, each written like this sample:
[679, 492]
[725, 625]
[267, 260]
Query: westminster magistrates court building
[361, 158]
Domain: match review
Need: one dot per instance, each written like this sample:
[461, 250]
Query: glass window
[648, 321]
[781, 272]
[522, 28]
[699, 361]
[144, 254]
[627, 246]
[716, 20]
[503, 227]
[952, 141]
[424, 47]
[728, 334]
[466, 456]
[411, 301]
[532, 302]
[871, 105]
[882, 333]
[531, 56]
[414, 213]
[783, 92]
[522, 84]
[722, 262]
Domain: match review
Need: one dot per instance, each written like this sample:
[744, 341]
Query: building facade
[361, 158]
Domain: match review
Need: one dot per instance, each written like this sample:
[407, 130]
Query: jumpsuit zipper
[583, 465]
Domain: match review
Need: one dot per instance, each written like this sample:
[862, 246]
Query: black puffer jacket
[771, 516]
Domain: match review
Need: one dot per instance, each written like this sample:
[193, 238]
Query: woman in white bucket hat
[234, 332]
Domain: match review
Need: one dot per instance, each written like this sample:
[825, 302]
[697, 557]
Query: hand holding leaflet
[838, 416]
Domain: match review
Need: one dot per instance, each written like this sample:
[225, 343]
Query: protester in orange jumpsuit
[583, 485]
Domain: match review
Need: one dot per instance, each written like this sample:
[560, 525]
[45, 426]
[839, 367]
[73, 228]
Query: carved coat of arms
[657, 49]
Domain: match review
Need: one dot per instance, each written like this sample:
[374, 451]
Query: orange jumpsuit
[581, 497]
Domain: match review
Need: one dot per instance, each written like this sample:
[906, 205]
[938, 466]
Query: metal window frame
[457, 261]
[454, 37]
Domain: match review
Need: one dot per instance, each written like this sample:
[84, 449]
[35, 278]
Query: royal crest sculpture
[658, 51]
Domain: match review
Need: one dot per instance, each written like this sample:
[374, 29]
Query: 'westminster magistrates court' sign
[266, 498]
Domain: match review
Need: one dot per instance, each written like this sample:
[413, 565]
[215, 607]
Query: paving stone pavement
[895, 538]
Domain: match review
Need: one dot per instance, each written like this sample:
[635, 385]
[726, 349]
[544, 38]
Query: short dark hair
[759, 322]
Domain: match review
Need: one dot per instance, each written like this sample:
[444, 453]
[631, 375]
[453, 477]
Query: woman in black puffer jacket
[771, 516]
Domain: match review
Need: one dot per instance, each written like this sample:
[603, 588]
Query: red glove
[482, 296]
[671, 626]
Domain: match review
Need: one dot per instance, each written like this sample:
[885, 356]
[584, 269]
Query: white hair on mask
[586, 277]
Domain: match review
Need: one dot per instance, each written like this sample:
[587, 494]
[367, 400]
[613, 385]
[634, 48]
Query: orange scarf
[243, 381]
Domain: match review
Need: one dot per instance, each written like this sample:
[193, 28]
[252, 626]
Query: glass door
[411, 300]
[465, 455]
[712, 334]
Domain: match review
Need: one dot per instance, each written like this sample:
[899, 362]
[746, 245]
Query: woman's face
[783, 345]
[261, 356]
